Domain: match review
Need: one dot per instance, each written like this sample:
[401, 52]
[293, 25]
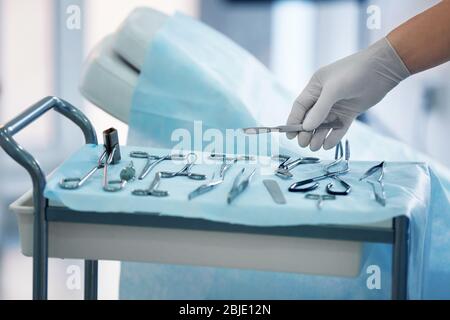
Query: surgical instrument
[152, 189]
[221, 156]
[274, 191]
[204, 188]
[336, 124]
[239, 186]
[110, 155]
[320, 198]
[109, 160]
[112, 147]
[150, 165]
[126, 174]
[311, 184]
[380, 197]
[283, 170]
[377, 168]
[339, 158]
[75, 183]
[346, 191]
[186, 170]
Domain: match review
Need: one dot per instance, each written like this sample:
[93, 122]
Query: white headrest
[135, 34]
[108, 81]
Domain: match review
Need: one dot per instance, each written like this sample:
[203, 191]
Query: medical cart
[53, 230]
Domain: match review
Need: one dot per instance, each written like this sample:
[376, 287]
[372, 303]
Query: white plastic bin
[205, 248]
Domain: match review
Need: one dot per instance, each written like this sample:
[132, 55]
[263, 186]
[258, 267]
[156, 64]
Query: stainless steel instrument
[239, 186]
[152, 189]
[284, 169]
[126, 174]
[186, 170]
[204, 188]
[153, 161]
[75, 183]
[378, 191]
[336, 124]
[274, 191]
[320, 198]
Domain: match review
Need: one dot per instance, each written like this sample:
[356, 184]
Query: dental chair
[112, 69]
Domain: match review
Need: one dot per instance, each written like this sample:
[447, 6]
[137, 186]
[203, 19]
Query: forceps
[380, 197]
[152, 189]
[239, 186]
[204, 188]
[283, 170]
[157, 160]
[75, 183]
[186, 170]
[311, 184]
[320, 198]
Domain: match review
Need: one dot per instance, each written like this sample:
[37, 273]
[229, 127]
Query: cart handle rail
[26, 160]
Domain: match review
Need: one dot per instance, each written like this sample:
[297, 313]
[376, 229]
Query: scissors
[283, 170]
[239, 186]
[75, 183]
[186, 170]
[312, 183]
[149, 166]
[204, 188]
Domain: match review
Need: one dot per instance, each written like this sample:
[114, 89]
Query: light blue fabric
[193, 73]
[203, 72]
[407, 187]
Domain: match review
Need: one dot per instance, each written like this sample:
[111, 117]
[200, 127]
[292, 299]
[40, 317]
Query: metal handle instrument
[152, 189]
[186, 170]
[336, 124]
[153, 161]
[75, 183]
[239, 186]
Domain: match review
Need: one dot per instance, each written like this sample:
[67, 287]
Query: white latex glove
[344, 90]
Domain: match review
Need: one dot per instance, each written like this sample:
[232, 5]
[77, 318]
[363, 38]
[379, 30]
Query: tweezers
[239, 186]
[336, 124]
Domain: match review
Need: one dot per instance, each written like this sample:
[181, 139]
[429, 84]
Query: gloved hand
[344, 90]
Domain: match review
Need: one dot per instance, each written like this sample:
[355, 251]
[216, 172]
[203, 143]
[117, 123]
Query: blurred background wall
[40, 56]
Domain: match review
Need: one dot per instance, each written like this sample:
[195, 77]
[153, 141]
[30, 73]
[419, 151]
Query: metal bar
[332, 232]
[400, 258]
[90, 279]
[26, 160]
[44, 105]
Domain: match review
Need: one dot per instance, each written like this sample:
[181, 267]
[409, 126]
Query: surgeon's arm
[424, 41]
[349, 87]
